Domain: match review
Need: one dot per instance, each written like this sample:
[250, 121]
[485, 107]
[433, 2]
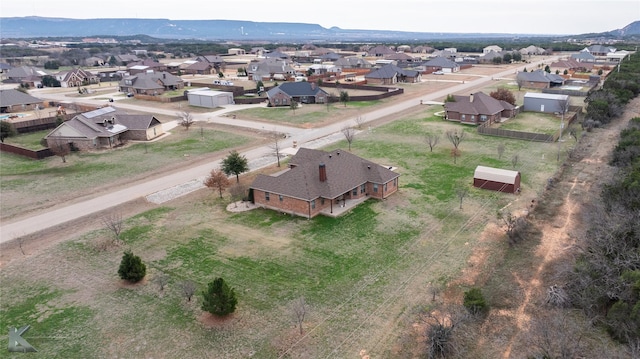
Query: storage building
[210, 98]
[545, 102]
[496, 179]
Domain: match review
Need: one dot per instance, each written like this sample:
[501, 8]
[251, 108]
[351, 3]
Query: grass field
[307, 115]
[27, 184]
[362, 274]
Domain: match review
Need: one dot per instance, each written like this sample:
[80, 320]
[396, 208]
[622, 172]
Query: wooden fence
[527, 136]
[37, 155]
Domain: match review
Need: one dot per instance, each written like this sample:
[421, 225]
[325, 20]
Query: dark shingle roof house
[318, 181]
[390, 74]
[539, 79]
[302, 92]
[442, 63]
[478, 108]
[150, 83]
[13, 99]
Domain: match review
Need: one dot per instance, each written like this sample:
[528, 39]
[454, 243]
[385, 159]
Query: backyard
[364, 275]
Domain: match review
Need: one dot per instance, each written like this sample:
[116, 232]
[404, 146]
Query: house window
[281, 198]
[483, 118]
[395, 182]
[363, 188]
[322, 201]
[473, 118]
[313, 204]
[277, 101]
[384, 188]
[375, 188]
[462, 118]
[355, 191]
[266, 196]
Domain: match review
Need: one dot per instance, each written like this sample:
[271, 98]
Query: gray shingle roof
[295, 89]
[150, 81]
[482, 104]
[441, 62]
[344, 170]
[389, 71]
[14, 97]
[106, 122]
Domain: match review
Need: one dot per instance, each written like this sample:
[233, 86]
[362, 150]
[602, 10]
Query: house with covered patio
[327, 183]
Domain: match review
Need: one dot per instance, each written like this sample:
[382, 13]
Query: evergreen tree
[131, 268]
[235, 164]
[219, 299]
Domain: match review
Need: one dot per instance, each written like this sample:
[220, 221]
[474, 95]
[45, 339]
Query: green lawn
[32, 140]
[362, 274]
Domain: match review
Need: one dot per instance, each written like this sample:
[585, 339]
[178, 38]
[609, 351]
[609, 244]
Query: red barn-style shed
[496, 179]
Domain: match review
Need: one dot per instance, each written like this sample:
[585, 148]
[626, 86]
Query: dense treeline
[605, 281]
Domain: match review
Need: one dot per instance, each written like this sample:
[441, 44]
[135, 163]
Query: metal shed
[544, 102]
[496, 179]
[209, 98]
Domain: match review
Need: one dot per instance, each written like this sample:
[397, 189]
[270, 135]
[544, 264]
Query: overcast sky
[507, 16]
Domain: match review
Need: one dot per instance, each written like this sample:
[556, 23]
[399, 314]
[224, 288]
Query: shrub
[219, 299]
[131, 268]
[474, 301]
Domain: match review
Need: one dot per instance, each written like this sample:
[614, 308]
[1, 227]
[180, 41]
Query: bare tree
[161, 280]
[293, 106]
[462, 192]
[515, 226]
[187, 119]
[440, 328]
[188, 289]
[500, 150]
[60, 147]
[114, 223]
[349, 134]
[555, 335]
[432, 140]
[359, 120]
[514, 160]
[276, 145]
[217, 180]
[299, 308]
[455, 138]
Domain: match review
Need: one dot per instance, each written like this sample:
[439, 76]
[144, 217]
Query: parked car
[438, 73]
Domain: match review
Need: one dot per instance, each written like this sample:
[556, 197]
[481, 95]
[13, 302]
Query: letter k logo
[17, 342]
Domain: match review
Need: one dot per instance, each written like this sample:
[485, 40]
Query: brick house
[301, 92]
[319, 182]
[478, 109]
[153, 83]
[539, 79]
[104, 128]
[391, 74]
[75, 78]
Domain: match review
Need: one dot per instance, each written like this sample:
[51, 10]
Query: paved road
[191, 177]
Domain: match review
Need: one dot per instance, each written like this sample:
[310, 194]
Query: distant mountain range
[35, 27]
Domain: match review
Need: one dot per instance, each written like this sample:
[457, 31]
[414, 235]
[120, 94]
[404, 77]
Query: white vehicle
[438, 73]
[222, 82]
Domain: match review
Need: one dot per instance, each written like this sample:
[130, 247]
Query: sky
[556, 17]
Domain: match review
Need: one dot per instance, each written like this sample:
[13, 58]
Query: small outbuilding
[545, 102]
[209, 98]
[496, 179]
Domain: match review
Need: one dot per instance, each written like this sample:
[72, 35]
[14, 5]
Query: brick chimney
[322, 169]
